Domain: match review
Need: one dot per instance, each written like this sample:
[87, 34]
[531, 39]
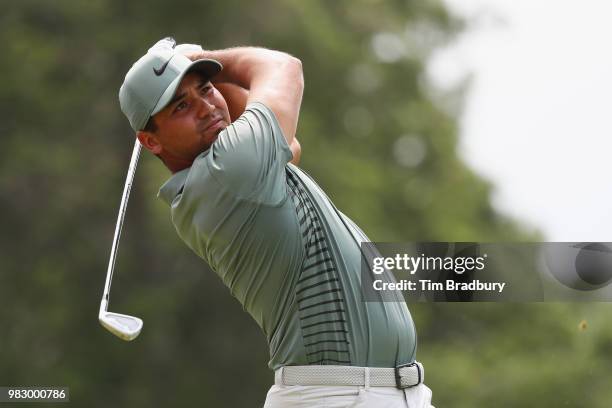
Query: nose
[205, 108]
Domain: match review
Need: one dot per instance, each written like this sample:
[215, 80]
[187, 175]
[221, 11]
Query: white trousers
[315, 396]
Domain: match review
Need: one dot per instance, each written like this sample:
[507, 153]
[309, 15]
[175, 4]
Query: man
[266, 228]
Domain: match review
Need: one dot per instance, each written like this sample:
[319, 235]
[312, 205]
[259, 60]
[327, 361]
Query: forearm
[245, 66]
[235, 96]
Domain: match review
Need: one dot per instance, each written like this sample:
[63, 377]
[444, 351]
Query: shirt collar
[171, 188]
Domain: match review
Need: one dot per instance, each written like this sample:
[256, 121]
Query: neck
[175, 164]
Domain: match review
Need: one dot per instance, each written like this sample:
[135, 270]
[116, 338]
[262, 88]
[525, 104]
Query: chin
[215, 135]
[223, 126]
[213, 138]
[207, 142]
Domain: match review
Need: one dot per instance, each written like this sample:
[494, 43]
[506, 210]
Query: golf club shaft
[122, 208]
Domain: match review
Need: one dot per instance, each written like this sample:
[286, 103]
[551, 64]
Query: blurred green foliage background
[376, 134]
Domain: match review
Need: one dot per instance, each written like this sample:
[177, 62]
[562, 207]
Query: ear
[149, 141]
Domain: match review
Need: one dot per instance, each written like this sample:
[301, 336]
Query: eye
[181, 106]
[205, 89]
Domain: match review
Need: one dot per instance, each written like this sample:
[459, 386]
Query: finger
[191, 51]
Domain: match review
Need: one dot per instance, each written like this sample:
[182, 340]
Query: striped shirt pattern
[321, 307]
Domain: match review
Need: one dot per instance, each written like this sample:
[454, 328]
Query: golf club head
[123, 326]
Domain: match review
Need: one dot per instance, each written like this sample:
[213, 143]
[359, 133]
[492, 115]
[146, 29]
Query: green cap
[152, 81]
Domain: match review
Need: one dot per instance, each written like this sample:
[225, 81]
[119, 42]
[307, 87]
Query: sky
[537, 118]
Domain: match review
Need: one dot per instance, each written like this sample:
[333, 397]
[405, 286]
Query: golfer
[224, 123]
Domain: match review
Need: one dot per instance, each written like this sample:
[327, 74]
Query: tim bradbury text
[428, 285]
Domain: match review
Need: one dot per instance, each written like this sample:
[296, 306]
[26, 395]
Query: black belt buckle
[398, 377]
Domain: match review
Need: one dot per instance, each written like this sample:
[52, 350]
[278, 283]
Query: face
[189, 124]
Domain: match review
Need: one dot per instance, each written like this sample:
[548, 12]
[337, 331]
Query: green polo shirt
[290, 258]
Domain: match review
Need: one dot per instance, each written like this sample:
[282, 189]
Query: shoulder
[250, 155]
[260, 119]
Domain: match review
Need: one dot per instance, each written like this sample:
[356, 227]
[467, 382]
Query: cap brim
[207, 67]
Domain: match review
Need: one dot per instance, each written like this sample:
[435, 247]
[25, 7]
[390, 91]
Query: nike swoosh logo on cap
[159, 71]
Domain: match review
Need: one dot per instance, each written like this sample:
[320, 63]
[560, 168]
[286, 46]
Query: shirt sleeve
[250, 156]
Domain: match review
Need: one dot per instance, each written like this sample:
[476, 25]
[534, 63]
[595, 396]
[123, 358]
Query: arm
[296, 150]
[236, 98]
[271, 77]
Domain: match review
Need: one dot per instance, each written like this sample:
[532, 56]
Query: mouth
[215, 126]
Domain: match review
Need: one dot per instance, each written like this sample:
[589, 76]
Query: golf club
[123, 326]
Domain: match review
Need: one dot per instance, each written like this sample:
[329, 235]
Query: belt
[403, 376]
